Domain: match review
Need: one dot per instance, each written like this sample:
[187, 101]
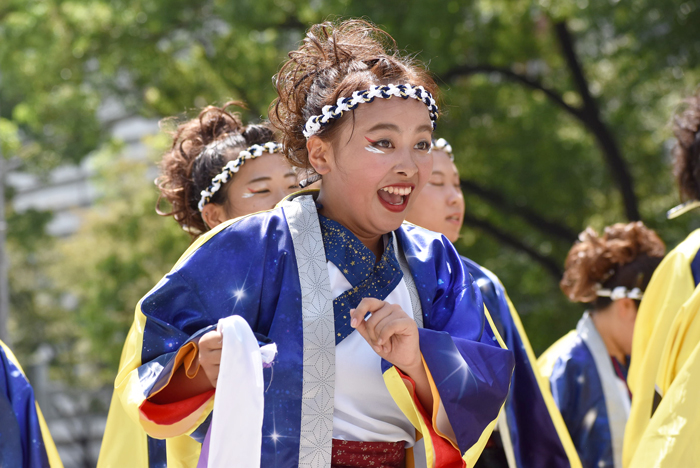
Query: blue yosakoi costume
[25, 441]
[590, 389]
[532, 432]
[272, 269]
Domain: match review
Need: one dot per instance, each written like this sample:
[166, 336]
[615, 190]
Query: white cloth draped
[235, 435]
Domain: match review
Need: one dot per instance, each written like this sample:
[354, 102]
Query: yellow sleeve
[51, 451]
[671, 437]
[683, 337]
[670, 287]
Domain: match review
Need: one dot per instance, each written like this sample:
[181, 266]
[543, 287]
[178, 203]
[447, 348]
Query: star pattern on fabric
[316, 436]
[357, 263]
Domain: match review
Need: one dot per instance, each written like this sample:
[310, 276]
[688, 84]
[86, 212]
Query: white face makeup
[259, 185]
[368, 188]
[373, 149]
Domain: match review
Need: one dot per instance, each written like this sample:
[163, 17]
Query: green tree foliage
[558, 113]
[120, 252]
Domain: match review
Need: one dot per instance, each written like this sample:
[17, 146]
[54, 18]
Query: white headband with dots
[233, 166]
[442, 145]
[620, 292]
[345, 104]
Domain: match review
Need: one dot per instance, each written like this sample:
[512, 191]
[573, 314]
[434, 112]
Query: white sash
[318, 387]
[236, 432]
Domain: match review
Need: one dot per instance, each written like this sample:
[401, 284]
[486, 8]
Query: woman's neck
[373, 242]
[603, 320]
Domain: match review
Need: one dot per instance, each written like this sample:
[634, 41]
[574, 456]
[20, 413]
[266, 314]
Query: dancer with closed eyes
[216, 169]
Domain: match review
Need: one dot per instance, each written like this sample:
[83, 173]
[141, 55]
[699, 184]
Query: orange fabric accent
[171, 413]
[446, 455]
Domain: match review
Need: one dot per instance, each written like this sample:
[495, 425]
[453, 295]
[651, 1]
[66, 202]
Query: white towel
[235, 435]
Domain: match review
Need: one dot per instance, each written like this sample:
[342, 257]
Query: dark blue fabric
[357, 264]
[201, 432]
[249, 269]
[157, 453]
[695, 268]
[21, 440]
[578, 393]
[472, 373]
[535, 440]
[11, 453]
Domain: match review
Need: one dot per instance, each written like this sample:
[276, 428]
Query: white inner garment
[364, 409]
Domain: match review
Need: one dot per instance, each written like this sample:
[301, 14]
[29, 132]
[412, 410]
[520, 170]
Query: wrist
[414, 367]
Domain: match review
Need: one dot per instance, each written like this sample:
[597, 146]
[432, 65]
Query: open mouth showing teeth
[395, 197]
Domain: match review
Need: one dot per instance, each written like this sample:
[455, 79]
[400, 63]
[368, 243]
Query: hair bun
[595, 259]
[184, 174]
[333, 61]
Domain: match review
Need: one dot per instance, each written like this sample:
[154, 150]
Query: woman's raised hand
[390, 332]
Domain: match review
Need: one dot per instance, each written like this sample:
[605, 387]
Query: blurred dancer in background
[665, 373]
[531, 432]
[587, 368]
[206, 179]
[25, 441]
[216, 169]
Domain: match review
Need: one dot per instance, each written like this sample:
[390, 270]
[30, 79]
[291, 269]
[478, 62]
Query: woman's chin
[451, 232]
[386, 225]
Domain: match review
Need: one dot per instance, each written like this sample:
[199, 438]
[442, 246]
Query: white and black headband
[442, 145]
[620, 292]
[345, 104]
[232, 166]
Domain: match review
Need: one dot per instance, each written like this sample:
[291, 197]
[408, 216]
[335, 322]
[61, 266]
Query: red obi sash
[348, 453]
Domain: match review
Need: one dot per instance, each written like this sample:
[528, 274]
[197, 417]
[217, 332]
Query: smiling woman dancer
[531, 434]
[216, 169]
[378, 327]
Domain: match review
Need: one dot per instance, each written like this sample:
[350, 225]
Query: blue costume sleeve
[471, 372]
[532, 424]
[259, 282]
[21, 438]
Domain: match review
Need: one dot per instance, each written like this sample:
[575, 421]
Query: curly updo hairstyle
[335, 60]
[625, 255]
[687, 150]
[186, 171]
